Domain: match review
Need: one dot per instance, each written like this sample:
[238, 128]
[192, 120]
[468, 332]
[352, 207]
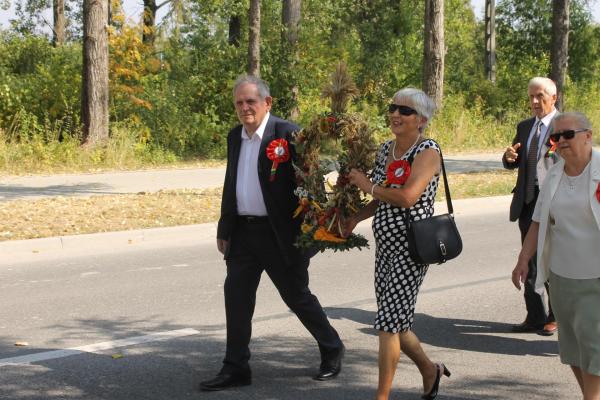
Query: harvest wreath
[323, 211]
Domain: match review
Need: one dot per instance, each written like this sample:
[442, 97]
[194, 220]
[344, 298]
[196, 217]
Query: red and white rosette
[398, 172]
[278, 152]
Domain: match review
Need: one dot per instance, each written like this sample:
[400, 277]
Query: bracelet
[372, 190]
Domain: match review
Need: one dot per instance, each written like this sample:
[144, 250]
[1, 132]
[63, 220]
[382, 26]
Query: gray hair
[580, 119]
[420, 101]
[545, 83]
[262, 86]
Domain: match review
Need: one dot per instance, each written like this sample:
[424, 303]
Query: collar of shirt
[546, 119]
[260, 131]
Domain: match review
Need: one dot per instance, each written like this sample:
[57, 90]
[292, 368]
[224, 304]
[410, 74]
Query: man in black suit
[529, 153]
[257, 232]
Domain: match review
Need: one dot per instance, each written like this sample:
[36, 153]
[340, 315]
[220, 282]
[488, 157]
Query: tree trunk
[560, 46]
[290, 16]
[235, 30]
[149, 21]
[490, 40]
[94, 91]
[58, 34]
[434, 51]
[254, 38]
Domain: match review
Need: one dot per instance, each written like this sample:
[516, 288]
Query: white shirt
[546, 120]
[573, 232]
[249, 195]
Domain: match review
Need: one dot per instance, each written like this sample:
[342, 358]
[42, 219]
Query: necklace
[394, 149]
[572, 180]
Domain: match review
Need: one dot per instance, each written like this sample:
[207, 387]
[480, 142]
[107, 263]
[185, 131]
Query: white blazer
[545, 198]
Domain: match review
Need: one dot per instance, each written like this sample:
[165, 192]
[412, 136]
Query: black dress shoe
[329, 369]
[526, 327]
[225, 381]
[441, 370]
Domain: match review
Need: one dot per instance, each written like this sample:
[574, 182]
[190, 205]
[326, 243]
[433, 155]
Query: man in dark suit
[529, 153]
[257, 232]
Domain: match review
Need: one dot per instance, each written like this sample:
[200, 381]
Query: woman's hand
[360, 180]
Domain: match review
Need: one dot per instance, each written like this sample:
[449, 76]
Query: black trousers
[537, 313]
[253, 248]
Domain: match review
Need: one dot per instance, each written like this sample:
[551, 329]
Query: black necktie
[532, 163]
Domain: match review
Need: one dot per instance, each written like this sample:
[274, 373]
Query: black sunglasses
[568, 134]
[403, 110]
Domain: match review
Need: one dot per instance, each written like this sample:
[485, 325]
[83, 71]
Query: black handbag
[433, 240]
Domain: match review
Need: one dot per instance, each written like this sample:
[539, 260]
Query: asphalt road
[39, 186]
[147, 322]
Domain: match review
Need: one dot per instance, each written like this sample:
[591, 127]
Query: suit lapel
[264, 164]
[594, 182]
[526, 132]
[549, 131]
[236, 145]
[555, 180]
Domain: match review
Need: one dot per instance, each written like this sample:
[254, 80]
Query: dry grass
[28, 219]
[479, 184]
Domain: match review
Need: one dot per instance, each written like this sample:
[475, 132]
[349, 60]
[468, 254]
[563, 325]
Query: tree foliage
[176, 94]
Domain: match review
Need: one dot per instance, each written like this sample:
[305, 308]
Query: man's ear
[269, 101]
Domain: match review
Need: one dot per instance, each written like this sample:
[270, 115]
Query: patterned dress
[397, 277]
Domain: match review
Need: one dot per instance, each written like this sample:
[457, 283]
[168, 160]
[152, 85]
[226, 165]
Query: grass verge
[57, 216]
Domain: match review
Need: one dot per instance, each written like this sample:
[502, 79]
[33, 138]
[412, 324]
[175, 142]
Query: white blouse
[573, 232]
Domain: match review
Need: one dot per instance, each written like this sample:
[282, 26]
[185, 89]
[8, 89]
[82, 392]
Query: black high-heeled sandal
[440, 369]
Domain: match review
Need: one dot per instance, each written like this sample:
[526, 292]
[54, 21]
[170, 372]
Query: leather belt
[253, 219]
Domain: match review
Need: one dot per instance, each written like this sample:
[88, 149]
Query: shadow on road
[282, 369]
[282, 365]
[461, 334]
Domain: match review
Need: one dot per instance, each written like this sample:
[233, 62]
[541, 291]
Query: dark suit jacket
[523, 130]
[279, 196]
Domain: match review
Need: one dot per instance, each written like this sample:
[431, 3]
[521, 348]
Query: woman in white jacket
[566, 233]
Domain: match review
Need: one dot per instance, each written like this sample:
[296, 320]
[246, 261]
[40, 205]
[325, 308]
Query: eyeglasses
[403, 110]
[568, 134]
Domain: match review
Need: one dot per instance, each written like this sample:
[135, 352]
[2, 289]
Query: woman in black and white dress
[405, 176]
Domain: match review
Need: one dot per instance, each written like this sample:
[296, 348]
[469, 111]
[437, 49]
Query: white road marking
[96, 347]
[145, 269]
[180, 265]
[86, 274]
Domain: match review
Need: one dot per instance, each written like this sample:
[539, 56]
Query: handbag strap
[446, 186]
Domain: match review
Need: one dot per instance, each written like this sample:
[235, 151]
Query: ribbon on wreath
[278, 152]
[398, 172]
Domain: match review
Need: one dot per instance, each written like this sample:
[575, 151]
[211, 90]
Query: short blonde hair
[420, 101]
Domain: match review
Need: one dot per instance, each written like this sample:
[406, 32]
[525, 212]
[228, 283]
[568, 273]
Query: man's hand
[519, 274]
[222, 245]
[511, 155]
